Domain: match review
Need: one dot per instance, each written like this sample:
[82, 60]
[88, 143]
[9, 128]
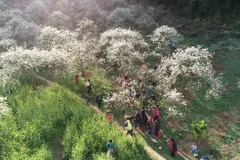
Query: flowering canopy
[123, 46]
[17, 61]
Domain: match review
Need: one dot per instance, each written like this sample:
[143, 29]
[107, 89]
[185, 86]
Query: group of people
[151, 122]
[99, 98]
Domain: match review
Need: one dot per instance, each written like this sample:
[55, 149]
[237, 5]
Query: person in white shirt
[89, 86]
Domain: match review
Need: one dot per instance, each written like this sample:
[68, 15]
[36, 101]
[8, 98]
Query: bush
[199, 129]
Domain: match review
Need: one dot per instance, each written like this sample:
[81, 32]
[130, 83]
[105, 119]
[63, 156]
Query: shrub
[199, 129]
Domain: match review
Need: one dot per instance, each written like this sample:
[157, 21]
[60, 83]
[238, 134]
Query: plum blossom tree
[53, 38]
[87, 29]
[187, 69]
[17, 61]
[81, 51]
[3, 6]
[5, 44]
[58, 20]
[122, 47]
[85, 50]
[165, 36]
[65, 6]
[20, 30]
[38, 11]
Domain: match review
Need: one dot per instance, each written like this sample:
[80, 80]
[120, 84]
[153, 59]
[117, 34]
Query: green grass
[99, 84]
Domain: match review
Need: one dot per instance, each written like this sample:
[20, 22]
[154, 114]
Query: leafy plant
[199, 129]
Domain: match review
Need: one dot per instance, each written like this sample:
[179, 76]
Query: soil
[219, 126]
[175, 124]
[87, 74]
[117, 85]
[229, 88]
[219, 68]
[188, 95]
[57, 148]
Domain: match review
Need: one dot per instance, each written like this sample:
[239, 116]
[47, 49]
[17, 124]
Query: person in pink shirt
[156, 114]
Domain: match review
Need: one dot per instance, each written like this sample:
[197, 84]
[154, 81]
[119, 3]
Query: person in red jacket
[173, 146]
[76, 79]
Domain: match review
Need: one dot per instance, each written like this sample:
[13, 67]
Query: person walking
[149, 125]
[76, 79]
[155, 112]
[194, 150]
[137, 119]
[99, 99]
[173, 146]
[157, 131]
[144, 118]
[129, 127]
[109, 117]
[111, 148]
[89, 86]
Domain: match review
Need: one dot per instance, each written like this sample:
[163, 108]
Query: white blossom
[3, 6]
[4, 109]
[238, 84]
[58, 20]
[87, 29]
[122, 46]
[53, 38]
[164, 36]
[21, 31]
[174, 112]
[38, 11]
[6, 44]
[174, 97]
[17, 61]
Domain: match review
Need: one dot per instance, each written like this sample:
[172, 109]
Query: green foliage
[199, 129]
[214, 7]
[232, 134]
[99, 84]
[200, 6]
[101, 156]
[43, 114]
[93, 138]
[178, 134]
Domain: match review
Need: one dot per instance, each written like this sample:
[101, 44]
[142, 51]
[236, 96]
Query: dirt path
[152, 153]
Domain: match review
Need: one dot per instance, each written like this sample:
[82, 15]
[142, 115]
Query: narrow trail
[152, 153]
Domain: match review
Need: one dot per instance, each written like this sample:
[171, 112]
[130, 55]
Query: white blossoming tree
[184, 70]
[5, 44]
[187, 69]
[81, 46]
[3, 6]
[20, 30]
[38, 11]
[165, 37]
[123, 47]
[20, 61]
[53, 38]
[58, 20]
[87, 29]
